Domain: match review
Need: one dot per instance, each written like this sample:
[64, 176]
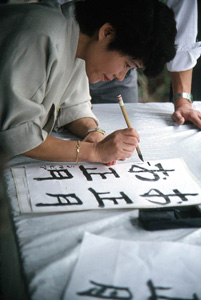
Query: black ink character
[52, 167]
[155, 296]
[158, 194]
[56, 174]
[103, 291]
[114, 199]
[103, 175]
[151, 174]
[62, 200]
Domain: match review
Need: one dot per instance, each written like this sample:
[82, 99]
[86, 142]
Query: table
[48, 244]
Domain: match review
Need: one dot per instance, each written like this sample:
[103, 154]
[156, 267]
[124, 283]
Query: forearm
[184, 111]
[117, 146]
[80, 127]
[54, 149]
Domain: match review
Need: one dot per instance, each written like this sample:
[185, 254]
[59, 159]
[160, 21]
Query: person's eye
[128, 66]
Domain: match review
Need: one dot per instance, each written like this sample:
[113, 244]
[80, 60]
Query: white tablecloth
[49, 243]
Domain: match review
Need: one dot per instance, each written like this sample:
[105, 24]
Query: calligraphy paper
[94, 186]
[116, 269]
[22, 189]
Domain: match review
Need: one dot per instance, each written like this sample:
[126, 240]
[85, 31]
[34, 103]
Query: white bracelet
[187, 96]
[96, 129]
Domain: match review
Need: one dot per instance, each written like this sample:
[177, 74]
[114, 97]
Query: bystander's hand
[185, 113]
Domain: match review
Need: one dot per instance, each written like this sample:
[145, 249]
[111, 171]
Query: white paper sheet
[95, 186]
[116, 269]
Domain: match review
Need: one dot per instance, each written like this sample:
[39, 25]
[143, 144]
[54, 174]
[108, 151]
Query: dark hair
[145, 29]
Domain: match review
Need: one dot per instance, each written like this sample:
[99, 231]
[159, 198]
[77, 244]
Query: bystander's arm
[181, 83]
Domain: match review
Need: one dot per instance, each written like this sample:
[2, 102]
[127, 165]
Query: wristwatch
[187, 96]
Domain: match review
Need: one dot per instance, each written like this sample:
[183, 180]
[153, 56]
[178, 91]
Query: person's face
[103, 64]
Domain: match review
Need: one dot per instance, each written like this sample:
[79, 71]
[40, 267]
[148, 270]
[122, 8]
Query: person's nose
[121, 75]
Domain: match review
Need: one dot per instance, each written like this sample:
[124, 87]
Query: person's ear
[106, 31]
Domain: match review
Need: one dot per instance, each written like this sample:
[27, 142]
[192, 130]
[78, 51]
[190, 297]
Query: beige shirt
[39, 73]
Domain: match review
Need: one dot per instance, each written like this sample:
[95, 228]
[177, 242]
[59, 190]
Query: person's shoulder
[32, 7]
[47, 14]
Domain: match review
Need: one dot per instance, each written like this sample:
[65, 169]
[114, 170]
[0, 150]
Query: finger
[128, 152]
[111, 163]
[196, 120]
[131, 132]
[178, 118]
[129, 144]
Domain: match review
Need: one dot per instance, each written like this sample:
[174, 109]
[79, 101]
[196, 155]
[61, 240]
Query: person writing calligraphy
[48, 55]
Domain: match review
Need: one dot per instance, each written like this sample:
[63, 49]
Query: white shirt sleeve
[188, 50]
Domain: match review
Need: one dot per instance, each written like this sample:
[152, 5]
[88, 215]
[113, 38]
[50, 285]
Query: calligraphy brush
[123, 109]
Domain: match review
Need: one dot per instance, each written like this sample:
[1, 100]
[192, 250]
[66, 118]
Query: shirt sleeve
[188, 50]
[23, 82]
[76, 102]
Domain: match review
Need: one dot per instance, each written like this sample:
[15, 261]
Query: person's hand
[119, 145]
[95, 137]
[187, 113]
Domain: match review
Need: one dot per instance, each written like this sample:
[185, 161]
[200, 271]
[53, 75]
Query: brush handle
[123, 109]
